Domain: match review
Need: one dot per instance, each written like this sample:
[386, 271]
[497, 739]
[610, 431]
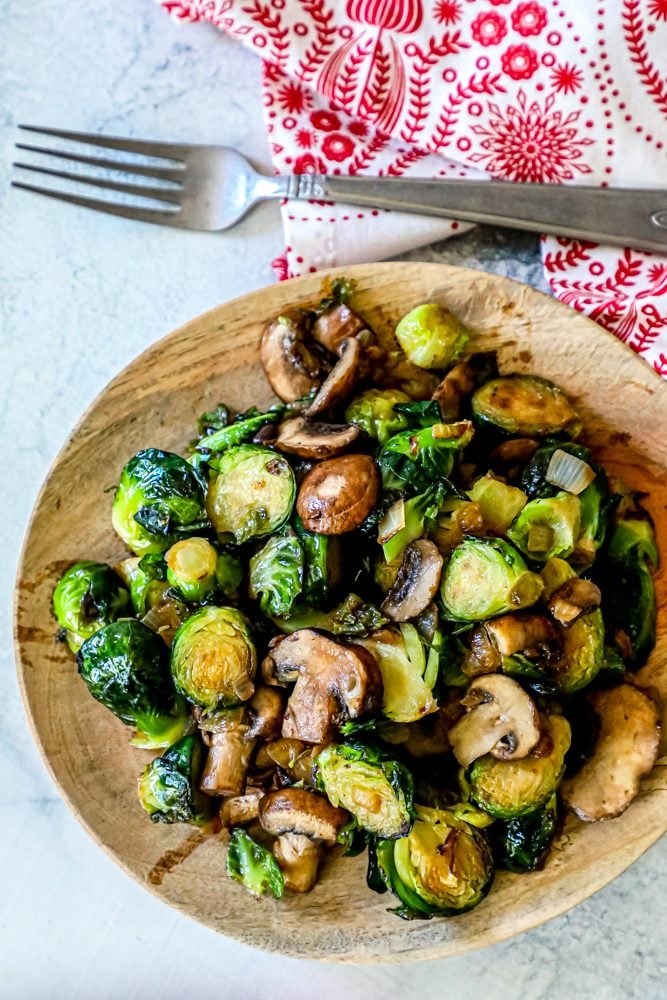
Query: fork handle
[617, 216]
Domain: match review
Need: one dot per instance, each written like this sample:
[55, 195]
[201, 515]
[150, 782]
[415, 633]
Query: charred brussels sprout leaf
[525, 405]
[253, 866]
[191, 568]
[276, 574]
[213, 659]
[353, 617]
[126, 667]
[169, 785]
[88, 596]
[548, 527]
[160, 498]
[414, 459]
[522, 844]
[431, 336]
[252, 494]
[420, 413]
[374, 411]
[214, 420]
[486, 577]
[370, 784]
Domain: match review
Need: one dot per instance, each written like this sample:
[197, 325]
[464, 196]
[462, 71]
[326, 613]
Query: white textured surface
[80, 295]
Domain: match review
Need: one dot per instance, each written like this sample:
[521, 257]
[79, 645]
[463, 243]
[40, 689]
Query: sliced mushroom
[336, 325]
[626, 750]
[292, 369]
[314, 439]
[461, 381]
[228, 760]
[576, 597]
[501, 719]
[241, 809]
[264, 713]
[334, 681]
[417, 581]
[337, 495]
[294, 810]
[341, 380]
[532, 635]
[298, 858]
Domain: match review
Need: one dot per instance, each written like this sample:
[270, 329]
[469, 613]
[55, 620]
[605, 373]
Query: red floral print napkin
[562, 91]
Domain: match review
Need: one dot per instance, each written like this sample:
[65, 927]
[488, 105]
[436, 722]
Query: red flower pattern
[519, 62]
[337, 147]
[309, 164]
[529, 18]
[658, 8]
[304, 138]
[566, 78]
[294, 98]
[447, 11]
[325, 121]
[489, 29]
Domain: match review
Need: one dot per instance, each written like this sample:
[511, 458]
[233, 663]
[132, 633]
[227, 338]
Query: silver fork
[213, 187]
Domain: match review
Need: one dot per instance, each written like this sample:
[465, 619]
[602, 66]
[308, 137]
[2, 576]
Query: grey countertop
[80, 295]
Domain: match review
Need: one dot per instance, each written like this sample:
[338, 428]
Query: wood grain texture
[155, 402]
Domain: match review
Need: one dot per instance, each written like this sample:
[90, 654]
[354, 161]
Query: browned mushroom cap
[291, 368]
[341, 380]
[501, 719]
[336, 325]
[338, 494]
[299, 859]
[294, 810]
[241, 809]
[626, 750]
[334, 681]
[516, 633]
[576, 597]
[461, 381]
[227, 761]
[264, 713]
[417, 581]
[314, 439]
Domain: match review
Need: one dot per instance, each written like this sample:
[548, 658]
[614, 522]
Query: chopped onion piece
[392, 522]
[568, 472]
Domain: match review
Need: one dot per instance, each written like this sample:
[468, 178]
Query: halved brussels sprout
[487, 577]
[88, 596]
[276, 573]
[525, 405]
[548, 527]
[252, 493]
[213, 659]
[253, 866]
[370, 784]
[441, 868]
[160, 498]
[583, 652]
[499, 503]
[169, 785]
[400, 655]
[415, 458]
[522, 844]
[431, 336]
[125, 666]
[191, 568]
[374, 412]
[510, 788]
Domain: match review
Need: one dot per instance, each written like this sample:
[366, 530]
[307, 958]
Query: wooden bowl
[155, 402]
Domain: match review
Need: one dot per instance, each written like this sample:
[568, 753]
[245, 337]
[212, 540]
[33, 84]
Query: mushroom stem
[228, 760]
[299, 859]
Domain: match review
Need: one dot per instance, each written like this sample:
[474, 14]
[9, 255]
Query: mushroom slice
[292, 369]
[626, 750]
[517, 633]
[294, 810]
[338, 494]
[341, 380]
[298, 858]
[461, 381]
[501, 719]
[576, 597]
[335, 325]
[265, 713]
[239, 810]
[227, 761]
[334, 681]
[314, 439]
[417, 581]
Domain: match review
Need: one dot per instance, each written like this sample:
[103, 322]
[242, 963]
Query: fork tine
[139, 190]
[166, 218]
[165, 150]
[159, 173]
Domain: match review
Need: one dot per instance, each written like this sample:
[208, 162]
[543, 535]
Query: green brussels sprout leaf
[253, 866]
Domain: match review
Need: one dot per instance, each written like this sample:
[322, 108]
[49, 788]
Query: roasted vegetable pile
[398, 611]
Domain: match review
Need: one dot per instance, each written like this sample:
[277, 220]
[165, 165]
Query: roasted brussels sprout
[169, 785]
[370, 784]
[401, 657]
[252, 493]
[228, 575]
[525, 405]
[487, 577]
[191, 568]
[253, 866]
[213, 659]
[276, 573]
[408, 520]
[146, 577]
[88, 596]
[583, 653]
[322, 564]
[522, 844]
[374, 412]
[160, 498]
[498, 503]
[431, 336]
[510, 788]
[125, 666]
[442, 867]
[414, 459]
[547, 528]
